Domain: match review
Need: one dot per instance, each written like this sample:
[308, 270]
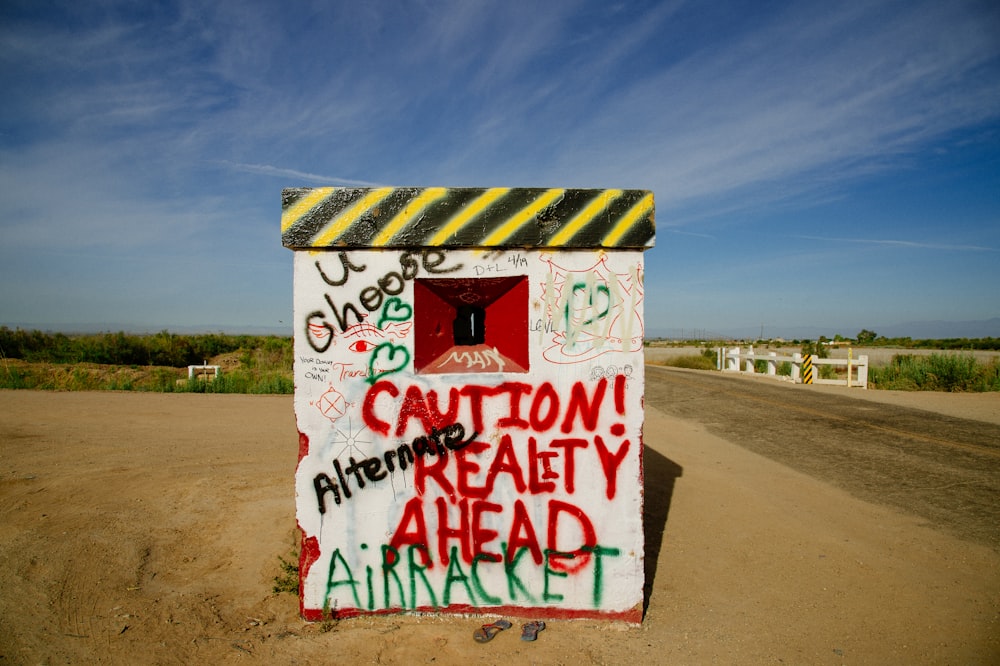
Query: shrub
[14, 378]
[827, 371]
[288, 579]
[937, 372]
[692, 362]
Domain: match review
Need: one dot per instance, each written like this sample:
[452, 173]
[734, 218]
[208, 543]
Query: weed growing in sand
[329, 620]
[288, 579]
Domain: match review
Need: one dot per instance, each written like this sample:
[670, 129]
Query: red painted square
[500, 320]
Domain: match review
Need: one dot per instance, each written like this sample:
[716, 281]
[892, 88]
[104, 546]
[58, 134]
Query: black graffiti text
[437, 443]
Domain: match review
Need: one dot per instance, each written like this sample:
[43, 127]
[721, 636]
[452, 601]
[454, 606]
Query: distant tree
[866, 337]
[817, 349]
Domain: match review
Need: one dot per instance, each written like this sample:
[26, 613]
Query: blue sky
[818, 166]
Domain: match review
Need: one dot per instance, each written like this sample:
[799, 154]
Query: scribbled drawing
[363, 337]
[395, 310]
[480, 357]
[332, 404]
[593, 309]
[319, 335]
[387, 359]
[377, 342]
[398, 330]
[349, 438]
[611, 371]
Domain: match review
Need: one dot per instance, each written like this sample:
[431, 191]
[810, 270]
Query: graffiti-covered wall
[470, 431]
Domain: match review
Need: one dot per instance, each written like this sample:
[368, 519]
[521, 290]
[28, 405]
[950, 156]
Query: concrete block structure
[468, 395]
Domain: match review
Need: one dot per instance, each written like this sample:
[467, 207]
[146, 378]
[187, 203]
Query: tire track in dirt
[941, 468]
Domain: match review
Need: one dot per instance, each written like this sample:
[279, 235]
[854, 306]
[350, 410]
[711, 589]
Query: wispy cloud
[268, 170]
[681, 232]
[805, 97]
[140, 134]
[902, 243]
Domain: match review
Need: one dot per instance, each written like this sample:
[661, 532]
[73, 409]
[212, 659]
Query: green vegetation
[820, 349]
[782, 369]
[864, 338]
[937, 372]
[704, 361]
[163, 348]
[945, 344]
[288, 579]
[263, 364]
[868, 338]
[945, 371]
[124, 362]
[691, 362]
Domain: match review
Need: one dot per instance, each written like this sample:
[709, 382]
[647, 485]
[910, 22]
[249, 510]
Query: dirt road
[938, 466]
[146, 528]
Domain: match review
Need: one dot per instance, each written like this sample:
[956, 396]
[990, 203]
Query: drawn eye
[361, 346]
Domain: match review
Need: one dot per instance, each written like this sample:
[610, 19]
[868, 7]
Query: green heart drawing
[395, 310]
[388, 353]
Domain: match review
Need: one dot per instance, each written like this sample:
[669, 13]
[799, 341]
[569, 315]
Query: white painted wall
[528, 479]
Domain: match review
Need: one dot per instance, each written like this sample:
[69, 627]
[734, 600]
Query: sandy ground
[146, 528]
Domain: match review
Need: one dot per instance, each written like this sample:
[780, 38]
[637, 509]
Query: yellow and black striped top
[335, 217]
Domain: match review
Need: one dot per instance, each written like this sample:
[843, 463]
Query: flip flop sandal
[486, 633]
[529, 632]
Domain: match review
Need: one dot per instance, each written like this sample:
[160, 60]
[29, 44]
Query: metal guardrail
[805, 368]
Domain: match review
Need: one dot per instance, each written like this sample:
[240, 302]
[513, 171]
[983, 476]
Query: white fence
[733, 359]
[205, 372]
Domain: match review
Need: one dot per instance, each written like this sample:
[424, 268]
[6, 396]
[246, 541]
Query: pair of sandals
[487, 632]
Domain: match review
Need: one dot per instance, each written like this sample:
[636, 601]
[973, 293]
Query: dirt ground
[147, 528]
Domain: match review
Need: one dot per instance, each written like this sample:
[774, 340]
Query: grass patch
[937, 372]
[782, 369]
[704, 361]
[241, 381]
[691, 362]
[17, 374]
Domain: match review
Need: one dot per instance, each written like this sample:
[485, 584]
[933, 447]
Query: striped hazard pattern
[807, 369]
[335, 217]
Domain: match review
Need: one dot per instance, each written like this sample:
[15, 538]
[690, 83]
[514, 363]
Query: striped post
[807, 369]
